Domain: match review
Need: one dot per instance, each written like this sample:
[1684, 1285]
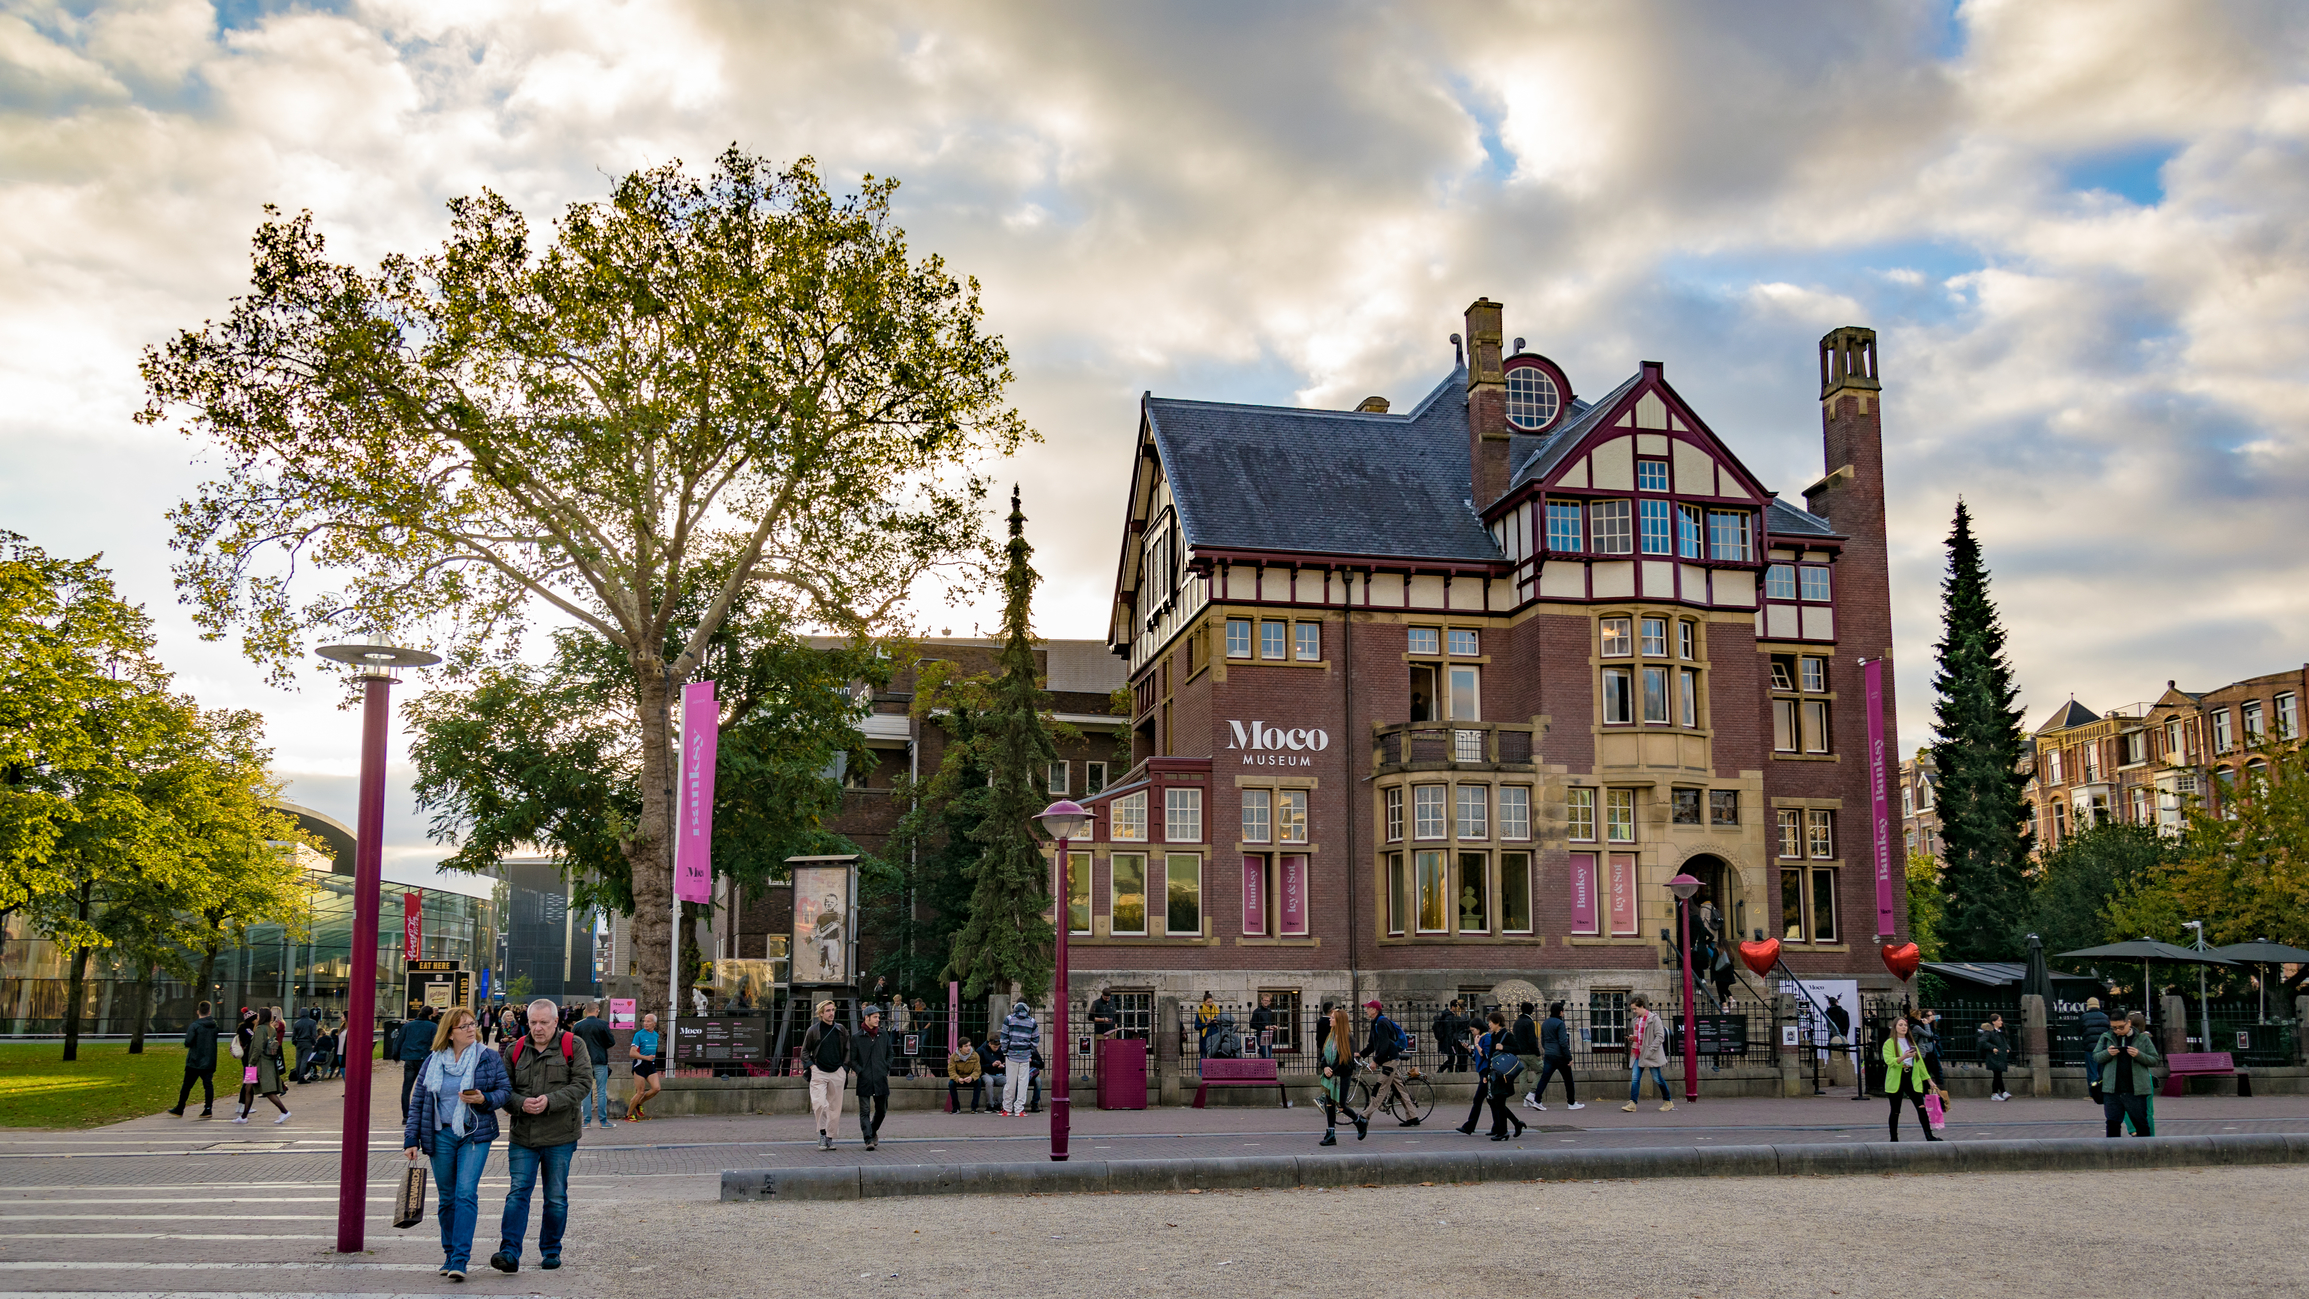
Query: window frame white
[1182, 814]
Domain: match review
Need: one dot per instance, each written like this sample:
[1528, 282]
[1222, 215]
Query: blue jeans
[1636, 1083]
[521, 1165]
[600, 1101]
[457, 1168]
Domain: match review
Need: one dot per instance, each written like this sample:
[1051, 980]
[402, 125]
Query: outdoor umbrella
[2038, 981]
[2144, 950]
[2263, 952]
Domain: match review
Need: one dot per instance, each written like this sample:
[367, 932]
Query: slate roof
[1325, 482]
[2069, 714]
[1784, 520]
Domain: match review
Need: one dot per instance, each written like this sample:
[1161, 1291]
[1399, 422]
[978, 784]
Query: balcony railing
[1436, 746]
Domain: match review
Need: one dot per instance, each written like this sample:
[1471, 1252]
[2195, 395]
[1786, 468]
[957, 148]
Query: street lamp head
[1064, 819]
[1683, 886]
[377, 660]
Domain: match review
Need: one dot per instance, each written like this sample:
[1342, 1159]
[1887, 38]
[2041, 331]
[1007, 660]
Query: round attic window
[1532, 397]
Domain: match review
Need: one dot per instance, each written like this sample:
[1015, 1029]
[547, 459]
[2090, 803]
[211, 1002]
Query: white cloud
[1288, 202]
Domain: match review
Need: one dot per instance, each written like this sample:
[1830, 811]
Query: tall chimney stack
[1487, 427]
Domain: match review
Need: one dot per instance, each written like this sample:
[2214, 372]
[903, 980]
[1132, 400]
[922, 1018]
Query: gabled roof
[2069, 714]
[1324, 482]
[1547, 452]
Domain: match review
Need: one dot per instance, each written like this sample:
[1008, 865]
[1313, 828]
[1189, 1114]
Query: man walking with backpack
[1555, 1057]
[552, 1077]
[306, 1033]
[199, 1064]
[1523, 1040]
[1019, 1035]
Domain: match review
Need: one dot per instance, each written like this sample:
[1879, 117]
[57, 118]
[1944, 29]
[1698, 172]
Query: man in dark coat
[2095, 1024]
[416, 1043]
[199, 1064]
[1523, 1043]
[870, 1062]
[1449, 1028]
[306, 1033]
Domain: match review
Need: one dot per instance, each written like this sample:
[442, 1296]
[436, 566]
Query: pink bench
[1241, 1073]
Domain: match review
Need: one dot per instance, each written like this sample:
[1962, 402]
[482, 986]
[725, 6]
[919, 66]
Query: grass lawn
[105, 1085]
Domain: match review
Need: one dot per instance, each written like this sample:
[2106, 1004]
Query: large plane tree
[739, 380]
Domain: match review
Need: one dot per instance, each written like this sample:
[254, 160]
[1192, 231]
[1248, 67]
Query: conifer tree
[1983, 826]
[1007, 937]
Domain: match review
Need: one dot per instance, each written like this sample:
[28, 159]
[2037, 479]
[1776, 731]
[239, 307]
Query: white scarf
[447, 1085]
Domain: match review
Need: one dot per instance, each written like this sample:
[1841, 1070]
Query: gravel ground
[2009, 1236]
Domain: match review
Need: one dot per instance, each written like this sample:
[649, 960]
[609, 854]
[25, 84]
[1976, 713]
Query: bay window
[1427, 815]
[1474, 811]
[1607, 523]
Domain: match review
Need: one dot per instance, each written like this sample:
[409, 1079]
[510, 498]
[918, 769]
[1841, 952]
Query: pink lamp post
[1062, 820]
[375, 666]
[1684, 886]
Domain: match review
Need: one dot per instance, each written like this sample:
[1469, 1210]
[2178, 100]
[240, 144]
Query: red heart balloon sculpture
[1761, 956]
[1902, 960]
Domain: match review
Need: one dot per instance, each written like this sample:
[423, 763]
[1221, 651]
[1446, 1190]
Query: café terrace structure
[1427, 701]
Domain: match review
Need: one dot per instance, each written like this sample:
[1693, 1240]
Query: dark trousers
[409, 1071]
[1932, 1066]
[2116, 1107]
[1913, 1097]
[871, 1108]
[1475, 1110]
[1550, 1069]
[1495, 1092]
[1996, 1081]
[977, 1088]
[207, 1080]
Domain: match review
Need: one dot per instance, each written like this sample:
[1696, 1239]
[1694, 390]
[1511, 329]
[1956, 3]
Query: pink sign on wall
[1583, 910]
[693, 865]
[1623, 892]
[1294, 894]
[1254, 894]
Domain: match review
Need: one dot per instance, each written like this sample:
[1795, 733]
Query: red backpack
[568, 1050]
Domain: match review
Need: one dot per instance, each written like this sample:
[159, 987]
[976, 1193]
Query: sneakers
[1576, 1105]
[1665, 1106]
[1530, 1103]
[282, 1119]
[1630, 1107]
[240, 1118]
[1541, 1106]
[504, 1262]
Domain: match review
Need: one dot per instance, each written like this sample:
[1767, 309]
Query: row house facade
[1425, 701]
[1920, 805]
[2147, 763]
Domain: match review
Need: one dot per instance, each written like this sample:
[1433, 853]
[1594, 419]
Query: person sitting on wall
[964, 1068]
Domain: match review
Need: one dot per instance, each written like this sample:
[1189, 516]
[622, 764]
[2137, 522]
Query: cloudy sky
[2076, 228]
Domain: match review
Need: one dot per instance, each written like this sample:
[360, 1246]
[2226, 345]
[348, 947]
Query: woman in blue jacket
[453, 1118]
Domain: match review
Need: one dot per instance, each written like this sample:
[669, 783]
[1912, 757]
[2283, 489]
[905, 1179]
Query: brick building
[2144, 764]
[1920, 805]
[1428, 701]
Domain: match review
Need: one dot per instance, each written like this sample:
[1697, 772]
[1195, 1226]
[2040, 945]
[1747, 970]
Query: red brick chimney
[1487, 427]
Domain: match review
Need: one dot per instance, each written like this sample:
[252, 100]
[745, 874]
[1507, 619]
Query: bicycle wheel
[1414, 1101]
[1362, 1096]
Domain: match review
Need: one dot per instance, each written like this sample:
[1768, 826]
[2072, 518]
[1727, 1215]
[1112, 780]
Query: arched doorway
[1717, 912]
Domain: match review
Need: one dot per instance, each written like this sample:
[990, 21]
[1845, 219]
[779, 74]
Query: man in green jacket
[2127, 1060]
[552, 1075]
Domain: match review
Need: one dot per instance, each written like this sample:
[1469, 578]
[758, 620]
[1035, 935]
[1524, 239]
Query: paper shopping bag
[409, 1205]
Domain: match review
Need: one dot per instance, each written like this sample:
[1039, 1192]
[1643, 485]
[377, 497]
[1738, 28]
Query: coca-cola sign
[1276, 746]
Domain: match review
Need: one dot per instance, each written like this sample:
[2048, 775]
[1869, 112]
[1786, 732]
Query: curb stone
[2063, 1154]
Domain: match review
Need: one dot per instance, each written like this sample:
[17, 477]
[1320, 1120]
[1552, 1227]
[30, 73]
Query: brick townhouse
[1428, 700]
[2145, 763]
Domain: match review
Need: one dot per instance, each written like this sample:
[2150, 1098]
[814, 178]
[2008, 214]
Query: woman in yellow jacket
[1905, 1076]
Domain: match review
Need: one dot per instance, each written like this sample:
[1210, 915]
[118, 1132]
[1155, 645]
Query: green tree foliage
[2077, 882]
[698, 387]
[2242, 866]
[1984, 835]
[1007, 938]
[1924, 904]
[916, 892]
[132, 812]
[545, 755]
[69, 646]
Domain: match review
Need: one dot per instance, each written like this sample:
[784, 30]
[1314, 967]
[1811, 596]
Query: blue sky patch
[2134, 173]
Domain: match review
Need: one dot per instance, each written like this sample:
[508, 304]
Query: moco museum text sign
[1276, 746]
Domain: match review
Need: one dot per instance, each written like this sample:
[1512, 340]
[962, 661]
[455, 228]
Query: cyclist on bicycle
[1383, 1045]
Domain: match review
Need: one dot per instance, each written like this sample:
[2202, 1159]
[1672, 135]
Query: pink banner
[412, 926]
[1879, 800]
[1623, 892]
[693, 863]
[1254, 894]
[1294, 894]
[1583, 913]
[953, 1017]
